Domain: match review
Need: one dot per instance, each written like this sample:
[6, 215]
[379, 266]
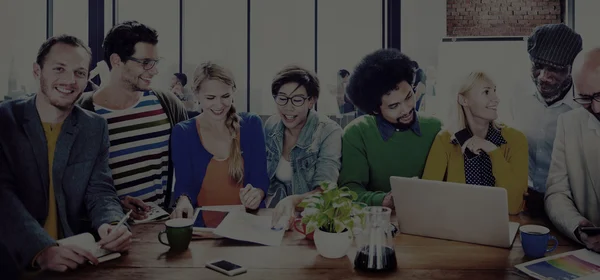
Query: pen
[123, 219]
[121, 222]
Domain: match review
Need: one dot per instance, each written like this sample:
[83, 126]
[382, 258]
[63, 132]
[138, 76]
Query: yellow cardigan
[510, 164]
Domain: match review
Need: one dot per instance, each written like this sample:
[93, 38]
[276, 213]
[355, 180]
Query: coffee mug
[302, 229]
[179, 233]
[535, 239]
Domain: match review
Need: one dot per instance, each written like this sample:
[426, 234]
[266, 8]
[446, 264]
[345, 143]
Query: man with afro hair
[391, 139]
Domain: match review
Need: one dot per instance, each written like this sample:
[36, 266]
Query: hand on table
[116, 240]
[251, 196]
[63, 258]
[285, 208]
[140, 209]
[590, 242]
[184, 206]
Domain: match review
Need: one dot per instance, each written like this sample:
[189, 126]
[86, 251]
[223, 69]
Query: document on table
[224, 208]
[580, 264]
[242, 226]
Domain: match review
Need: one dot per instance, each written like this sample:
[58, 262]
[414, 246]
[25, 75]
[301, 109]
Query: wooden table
[297, 258]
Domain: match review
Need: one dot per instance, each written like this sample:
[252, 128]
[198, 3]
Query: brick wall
[500, 17]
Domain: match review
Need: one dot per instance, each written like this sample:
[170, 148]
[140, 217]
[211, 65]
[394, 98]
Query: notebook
[86, 241]
[156, 214]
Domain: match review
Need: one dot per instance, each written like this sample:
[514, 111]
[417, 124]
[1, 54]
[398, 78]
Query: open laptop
[453, 211]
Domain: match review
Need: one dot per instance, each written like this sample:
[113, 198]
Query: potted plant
[331, 215]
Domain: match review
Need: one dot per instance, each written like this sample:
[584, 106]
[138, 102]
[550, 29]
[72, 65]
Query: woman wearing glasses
[219, 156]
[303, 147]
[475, 149]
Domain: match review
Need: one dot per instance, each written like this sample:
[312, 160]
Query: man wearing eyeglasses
[573, 188]
[551, 49]
[139, 118]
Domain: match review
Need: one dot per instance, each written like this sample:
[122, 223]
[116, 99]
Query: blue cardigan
[190, 158]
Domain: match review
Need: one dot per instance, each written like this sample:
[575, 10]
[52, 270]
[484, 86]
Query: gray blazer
[84, 191]
[573, 185]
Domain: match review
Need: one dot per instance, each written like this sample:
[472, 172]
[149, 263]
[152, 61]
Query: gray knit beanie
[554, 44]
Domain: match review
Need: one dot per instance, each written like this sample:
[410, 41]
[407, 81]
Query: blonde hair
[211, 71]
[457, 118]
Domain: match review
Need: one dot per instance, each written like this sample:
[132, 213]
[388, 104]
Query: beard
[556, 93]
[131, 84]
[403, 126]
[56, 101]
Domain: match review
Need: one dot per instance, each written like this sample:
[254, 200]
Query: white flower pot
[332, 245]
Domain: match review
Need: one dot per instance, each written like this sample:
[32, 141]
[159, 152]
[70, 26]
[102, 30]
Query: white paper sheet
[223, 208]
[240, 225]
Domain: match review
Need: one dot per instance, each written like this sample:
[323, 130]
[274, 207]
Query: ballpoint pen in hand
[112, 232]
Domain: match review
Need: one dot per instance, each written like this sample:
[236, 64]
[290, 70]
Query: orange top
[218, 188]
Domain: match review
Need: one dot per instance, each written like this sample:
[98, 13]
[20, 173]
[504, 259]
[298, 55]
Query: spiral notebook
[86, 241]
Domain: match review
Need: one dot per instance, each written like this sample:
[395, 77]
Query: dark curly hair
[377, 74]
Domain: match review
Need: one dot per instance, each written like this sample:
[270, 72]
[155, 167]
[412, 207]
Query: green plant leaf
[311, 226]
[339, 226]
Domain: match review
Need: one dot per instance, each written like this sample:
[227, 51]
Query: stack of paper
[581, 264]
[242, 226]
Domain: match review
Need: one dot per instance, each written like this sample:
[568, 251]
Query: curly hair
[377, 74]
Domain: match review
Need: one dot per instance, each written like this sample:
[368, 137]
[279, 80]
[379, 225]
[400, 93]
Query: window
[108, 16]
[71, 17]
[26, 33]
[347, 31]
[216, 31]
[586, 23]
[281, 33]
[164, 17]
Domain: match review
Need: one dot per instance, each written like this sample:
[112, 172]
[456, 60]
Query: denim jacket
[315, 158]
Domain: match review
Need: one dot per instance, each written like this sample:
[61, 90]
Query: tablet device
[207, 220]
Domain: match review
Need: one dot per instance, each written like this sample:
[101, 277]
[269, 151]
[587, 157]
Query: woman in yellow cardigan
[475, 149]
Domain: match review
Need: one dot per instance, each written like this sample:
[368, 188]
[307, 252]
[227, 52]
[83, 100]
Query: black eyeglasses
[585, 100]
[146, 63]
[296, 100]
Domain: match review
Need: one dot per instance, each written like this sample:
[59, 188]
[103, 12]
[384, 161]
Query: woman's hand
[184, 206]
[477, 144]
[284, 212]
[251, 196]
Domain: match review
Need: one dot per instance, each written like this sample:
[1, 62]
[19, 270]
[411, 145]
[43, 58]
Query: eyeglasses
[585, 100]
[296, 100]
[146, 63]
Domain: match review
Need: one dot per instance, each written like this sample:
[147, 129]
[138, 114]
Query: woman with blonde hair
[219, 156]
[475, 149]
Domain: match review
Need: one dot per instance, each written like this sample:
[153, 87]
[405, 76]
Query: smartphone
[225, 267]
[591, 231]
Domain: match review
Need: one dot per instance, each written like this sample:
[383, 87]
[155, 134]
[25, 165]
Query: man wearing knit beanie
[552, 49]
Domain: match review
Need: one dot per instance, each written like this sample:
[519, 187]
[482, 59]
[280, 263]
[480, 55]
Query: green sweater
[368, 161]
